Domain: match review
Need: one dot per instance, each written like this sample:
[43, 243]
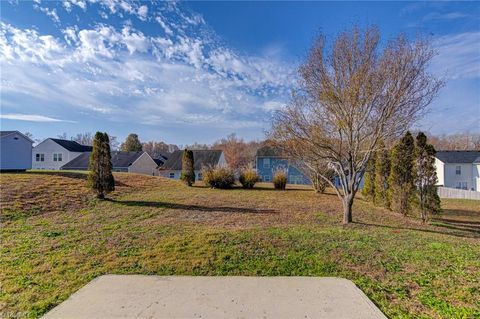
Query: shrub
[280, 180]
[188, 172]
[248, 177]
[218, 177]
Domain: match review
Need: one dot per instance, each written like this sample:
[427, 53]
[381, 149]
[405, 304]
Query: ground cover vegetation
[56, 236]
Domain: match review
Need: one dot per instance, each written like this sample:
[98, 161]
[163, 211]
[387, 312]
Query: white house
[172, 168]
[458, 169]
[53, 153]
[15, 151]
[131, 162]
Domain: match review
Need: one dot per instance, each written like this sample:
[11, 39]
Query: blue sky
[196, 71]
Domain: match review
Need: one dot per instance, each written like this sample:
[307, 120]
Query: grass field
[56, 238]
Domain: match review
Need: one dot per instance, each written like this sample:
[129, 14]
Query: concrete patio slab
[136, 296]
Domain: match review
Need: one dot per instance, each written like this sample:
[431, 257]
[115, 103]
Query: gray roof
[72, 146]
[458, 156]
[201, 158]
[270, 151]
[119, 160]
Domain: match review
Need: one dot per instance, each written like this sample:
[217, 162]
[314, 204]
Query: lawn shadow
[472, 233]
[68, 174]
[223, 209]
[259, 188]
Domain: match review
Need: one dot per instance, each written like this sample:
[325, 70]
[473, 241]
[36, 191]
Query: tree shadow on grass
[222, 209]
[470, 233]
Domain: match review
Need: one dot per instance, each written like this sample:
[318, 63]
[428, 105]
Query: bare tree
[456, 142]
[353, 96]
[83, 138]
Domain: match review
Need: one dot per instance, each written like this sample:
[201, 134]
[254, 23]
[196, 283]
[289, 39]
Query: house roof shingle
[72, 146]
[201, 158]
[270, 151]
[119, 160]
[458, 156]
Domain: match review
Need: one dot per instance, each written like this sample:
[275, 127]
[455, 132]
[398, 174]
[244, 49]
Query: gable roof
[72, 146]
[6, 133]
[119, 160]
[458, 156]
[270, 151]
[201, 158]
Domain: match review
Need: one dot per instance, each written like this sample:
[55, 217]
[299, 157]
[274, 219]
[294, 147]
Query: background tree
[456, 142]
[368, 190]
[402, 175]
[157, 149]
[426, 177]
[131, 144]
[100, 177]
[382, 174]
[188, 172]
[353, 96]
[83, 138]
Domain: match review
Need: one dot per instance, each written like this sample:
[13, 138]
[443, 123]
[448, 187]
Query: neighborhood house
[172, 168]
[131, 162]
[270, 159]
[15, 151]
[458, 169]
[53, 153]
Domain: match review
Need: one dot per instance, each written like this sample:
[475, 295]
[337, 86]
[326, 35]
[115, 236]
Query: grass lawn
[55, 238]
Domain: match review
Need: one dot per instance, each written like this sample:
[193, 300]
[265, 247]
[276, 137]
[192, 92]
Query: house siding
[144, 165]
[268, 165]
[467, 175]
[48, 148]
[15, 152]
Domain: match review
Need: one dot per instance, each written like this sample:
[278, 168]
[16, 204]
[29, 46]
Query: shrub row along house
[172, 168]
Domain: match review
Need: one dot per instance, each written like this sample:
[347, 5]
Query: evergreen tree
[188, 172]
[382, 173]
[426, 178]
[131, 144]
[402, 175]
[368, 190]
[100, 177]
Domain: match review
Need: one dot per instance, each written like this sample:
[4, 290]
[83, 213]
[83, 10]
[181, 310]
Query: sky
[185, 72]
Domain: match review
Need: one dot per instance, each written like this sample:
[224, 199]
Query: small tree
[368, 190]
[382, 174]
[188, 172]
[100, 177]
[131, 144]
[426, 177]
[248, 178]
[402, 175]
[280, 180]
[351, 95]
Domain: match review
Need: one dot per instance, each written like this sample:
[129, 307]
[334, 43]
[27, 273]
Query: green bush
[280, 180]
[248, 177]
[218, 177]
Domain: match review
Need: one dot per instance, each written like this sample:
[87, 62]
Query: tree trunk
[347, 209]
[100, 196]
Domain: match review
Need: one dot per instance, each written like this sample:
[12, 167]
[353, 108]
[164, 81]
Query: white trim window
[57, 157]
[171, 175]
[458, 170]
[40, 157]
[266, 163]
[267, 178]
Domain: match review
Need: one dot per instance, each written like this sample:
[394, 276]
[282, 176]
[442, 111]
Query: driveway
[137, 296]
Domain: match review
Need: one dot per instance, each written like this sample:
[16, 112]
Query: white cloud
[458, 55]
[143, 12]
[30, 118]
[52, 13]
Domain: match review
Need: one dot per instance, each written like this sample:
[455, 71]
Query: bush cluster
[280, 180]
[218, 177]
[248, 177]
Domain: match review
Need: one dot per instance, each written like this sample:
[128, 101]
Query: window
[171, 175]
[266, 178]
[458, 170]
[40, 157]
[266, 163]
[57, 157]
[462, 185]
[200, 176]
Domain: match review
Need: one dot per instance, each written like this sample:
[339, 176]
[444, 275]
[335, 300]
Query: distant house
[15, 151]
[53, 153]
[131, 162]
[271, 159]
[172, 168]
[458, 169]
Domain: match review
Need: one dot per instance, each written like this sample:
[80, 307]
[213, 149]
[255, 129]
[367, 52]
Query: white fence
[446, 192]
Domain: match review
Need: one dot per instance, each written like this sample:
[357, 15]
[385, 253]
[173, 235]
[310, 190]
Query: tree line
[403, 177]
